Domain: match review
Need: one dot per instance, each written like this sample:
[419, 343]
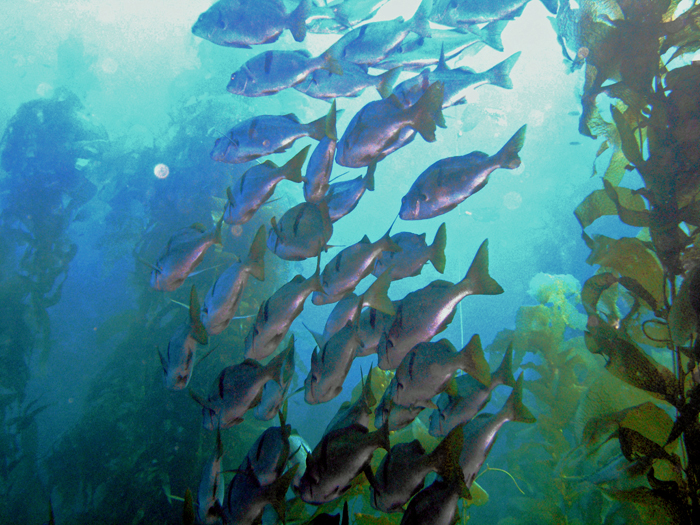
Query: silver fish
[426, 312]
[378, 126]
[302, 232]
[277, 314]
[210, 496]
[184, 251]
[356, 413]
[245, 23]
[448, 182]
[481, 432]
[414, 253]
[458, 81]
[257, 185]
[272, 71]
[427, 369]
[178, 360]
[352, 264]
[221, 301]
[324, 85]
[264, 135]
[342, 197]
[340, 457]
[274, 391]
[318, 170]
[468, 398]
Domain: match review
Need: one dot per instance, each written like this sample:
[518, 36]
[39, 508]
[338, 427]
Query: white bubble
[44, 89]
[536, 117]
[512, 200]
[161, 171]
[109, 66]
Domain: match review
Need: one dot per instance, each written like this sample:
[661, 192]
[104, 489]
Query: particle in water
[512, 200]
[161, 171]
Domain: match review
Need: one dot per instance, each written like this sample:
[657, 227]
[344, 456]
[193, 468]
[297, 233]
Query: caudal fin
[376, 295]
[277, 490]
[428, 112]
[387, 80]
[514, 408]
[256, 255]
[473, 362]
[478, 281]
[504, 374]
[292, 169]
[197, 327]
[445, 458]
[508, 156]
[499, 75]
[437, 249]
[297, 20]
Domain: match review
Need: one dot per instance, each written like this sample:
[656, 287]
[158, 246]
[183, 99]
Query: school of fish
[428, 375]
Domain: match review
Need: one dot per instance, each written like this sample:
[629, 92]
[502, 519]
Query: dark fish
[428, 368]
[437, 504]
[184, 251]
[356, 413]
[332, 519]
[178, 360]
[426, 312]
[402, 472]
[302, 232]
[257, 185]
[221, 301]
[274, 392]
[264, 135]
[318, 170]
[272, 71]
[414, 253]
[210, 496]
[352, 264]
[480, 433]
[276, 315]
[450, 181]
[343, 197]
[340, 457]
[244, 23]
[324, 85]
[394, 416]
[458, 81]
[373, 130]
[470, 396]
[267, 457]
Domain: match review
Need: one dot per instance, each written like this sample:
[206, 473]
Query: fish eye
[422, 196]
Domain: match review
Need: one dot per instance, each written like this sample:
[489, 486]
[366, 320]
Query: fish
[237, 389]
[371, 325]
[340, 457]
[264, 135]
[424, 313]
[356, 413]
[277, 313]
[331, 365]
[349, 266]
[402, 472]
[343, 197]
[247, 498]
[450, 181]
[351, 12]
[299, 450]
[302, 232]
[458, 81]
[274, 391]
[378, 125]
[272, 71]
[414, 253]
[245, 23]
[328, 519]
[457, 13]
[437, 504]
[178, 361]
[371, 43]
[318, 170]
[324, 85]
[211, 493]
[183, 253]
[394, 416]
[427, 369]
[267, 457]
[257, 185]
[481, 432]
[222, 299]
[349, 308]
[468, 397]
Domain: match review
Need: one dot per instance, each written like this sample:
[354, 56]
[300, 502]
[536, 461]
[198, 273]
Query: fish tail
[331, 62]
[508, 156]
[217, 232]
[438, 249]
[499, 75]
[428, 112]
[317, 128]
[445, 457]
[297, 20]
[331, 131]
[199, 332]
[256, 255]
[473, 362]
[369, 177]
[316, 285]
[292, 169]
[514, 408]
[276, 364]
[376, 295]
[277, 490]
[382, 436]
[478, 279]
[421, 24]
[490, 34]
[504, 374]
[367, 395]
[387, 80]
